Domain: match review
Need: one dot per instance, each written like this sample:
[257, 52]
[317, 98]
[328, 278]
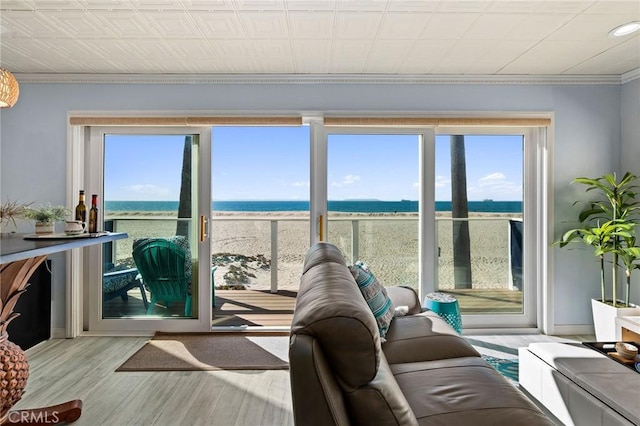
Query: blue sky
[272, 163]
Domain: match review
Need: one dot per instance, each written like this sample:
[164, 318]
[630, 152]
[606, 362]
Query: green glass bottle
[81, 208]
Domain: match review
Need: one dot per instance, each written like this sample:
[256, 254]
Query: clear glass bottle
[81, 208]
[93, 214]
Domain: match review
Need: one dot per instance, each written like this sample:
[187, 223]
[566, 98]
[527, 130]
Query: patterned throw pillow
[375, 295]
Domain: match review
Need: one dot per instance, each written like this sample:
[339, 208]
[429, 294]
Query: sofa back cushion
[330, 308]
[335, 343]
[322, 253]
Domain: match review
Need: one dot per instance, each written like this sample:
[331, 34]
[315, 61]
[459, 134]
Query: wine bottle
[93, 214]
[81, 208]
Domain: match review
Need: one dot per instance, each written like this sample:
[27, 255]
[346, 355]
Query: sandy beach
[388, 242]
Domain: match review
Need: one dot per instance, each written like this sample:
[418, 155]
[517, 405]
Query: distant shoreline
[347, 206]
[298, 214]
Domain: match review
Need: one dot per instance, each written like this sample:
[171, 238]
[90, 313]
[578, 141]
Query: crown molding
[292, 79]
[630, 76]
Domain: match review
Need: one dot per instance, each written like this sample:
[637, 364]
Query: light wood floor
[83, 368]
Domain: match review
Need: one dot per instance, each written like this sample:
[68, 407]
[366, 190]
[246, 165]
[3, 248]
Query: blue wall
[589, 124]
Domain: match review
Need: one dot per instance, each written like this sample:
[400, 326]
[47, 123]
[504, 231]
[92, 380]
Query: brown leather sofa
[424, 374]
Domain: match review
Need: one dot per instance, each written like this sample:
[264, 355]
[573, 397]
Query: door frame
[541, 175]
[86, 156]
[535, 201]
[535, 228]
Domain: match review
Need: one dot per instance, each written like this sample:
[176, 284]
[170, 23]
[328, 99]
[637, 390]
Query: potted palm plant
[608, 225]
[46, 216]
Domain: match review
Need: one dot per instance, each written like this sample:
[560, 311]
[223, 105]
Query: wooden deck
[262, 308]
[488, 301]
[253, 308]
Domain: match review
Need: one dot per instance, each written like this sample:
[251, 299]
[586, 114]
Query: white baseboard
[58, 333]
[573, 329]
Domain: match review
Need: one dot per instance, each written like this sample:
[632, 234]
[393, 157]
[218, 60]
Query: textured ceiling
[397, 37]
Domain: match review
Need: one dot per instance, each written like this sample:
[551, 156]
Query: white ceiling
[398, 37]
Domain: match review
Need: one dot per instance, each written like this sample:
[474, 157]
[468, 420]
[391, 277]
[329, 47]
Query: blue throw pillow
[375, 295]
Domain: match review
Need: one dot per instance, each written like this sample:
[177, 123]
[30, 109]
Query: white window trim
[542, 201]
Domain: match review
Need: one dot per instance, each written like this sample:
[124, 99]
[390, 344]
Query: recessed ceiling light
[625, 29]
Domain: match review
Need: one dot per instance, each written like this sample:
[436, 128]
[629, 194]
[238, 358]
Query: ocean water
[356, 206]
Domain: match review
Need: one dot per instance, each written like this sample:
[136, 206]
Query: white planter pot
[604, 319]
[44, 228]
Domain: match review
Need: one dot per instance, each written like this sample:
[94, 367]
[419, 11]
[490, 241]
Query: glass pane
[373, 183]
[260, 224]
[149, 194]
[479, 205]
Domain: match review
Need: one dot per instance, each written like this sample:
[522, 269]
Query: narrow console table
[579, 385]
[19, 258]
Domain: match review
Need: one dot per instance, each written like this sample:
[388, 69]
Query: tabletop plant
[608, 225]
[10, 211]
[46, 213]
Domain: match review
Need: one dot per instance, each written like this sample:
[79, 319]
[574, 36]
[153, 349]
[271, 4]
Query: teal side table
[447, 307]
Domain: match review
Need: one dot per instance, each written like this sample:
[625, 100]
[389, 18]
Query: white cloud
[495, 186]
[442, 182]
[492, 179]
[300, 184]
[347, 180]
[146, 191]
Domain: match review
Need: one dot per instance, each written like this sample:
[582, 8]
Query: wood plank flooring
[84, 368]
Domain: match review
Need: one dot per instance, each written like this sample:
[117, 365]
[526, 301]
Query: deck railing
[357, 236]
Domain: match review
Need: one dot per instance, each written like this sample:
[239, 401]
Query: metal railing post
[274, 256]
[355, 240]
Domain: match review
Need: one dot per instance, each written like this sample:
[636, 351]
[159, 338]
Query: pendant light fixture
[9, 89]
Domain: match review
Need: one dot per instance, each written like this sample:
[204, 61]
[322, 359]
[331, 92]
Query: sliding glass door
[260, 222]
[451, 209]
[151, 187]
[482, 224]
[456, 211]
[373, 201]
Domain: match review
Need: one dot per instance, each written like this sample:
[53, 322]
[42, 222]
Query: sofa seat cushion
[424, 337]
[462, 391]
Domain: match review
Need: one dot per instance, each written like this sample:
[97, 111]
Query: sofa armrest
[405, 296]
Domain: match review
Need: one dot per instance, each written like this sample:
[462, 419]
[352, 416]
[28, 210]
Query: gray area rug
[211, 351]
